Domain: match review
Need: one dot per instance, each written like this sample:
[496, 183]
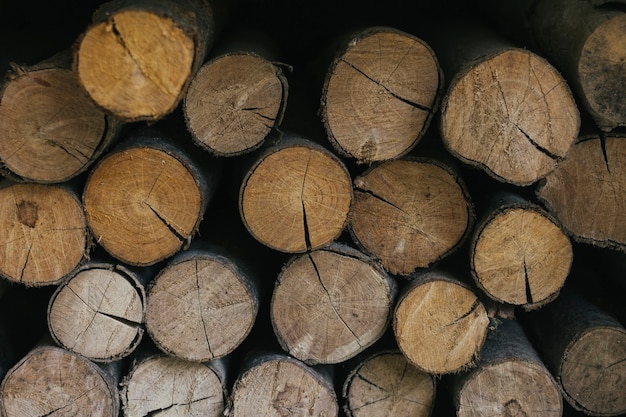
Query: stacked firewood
[419, 215]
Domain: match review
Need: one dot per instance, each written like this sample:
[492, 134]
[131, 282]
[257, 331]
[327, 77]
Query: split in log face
[165, 385]
[296, 198]
[143, 204]
[98, 312]
[51, 380]
[233, 102]
[586, 192]
[409, 213]
[43, 233]
[50, 128]
[510, 114]
[380, 94]
[439, 324]
[385, 384]
[331, 304]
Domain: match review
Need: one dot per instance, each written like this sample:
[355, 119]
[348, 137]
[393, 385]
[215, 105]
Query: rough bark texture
[410, 213]
[585, 349]
[98, 312]
[506, 110]
[277, 385]
[234, 101]
[202, 304]
[439, 323]
[380, 93]
[519, 254]
[50, 129]
[385, 384]
[330, 304]
[145, 199]
[509, 377]
[43, 232]
[586, 192]
[296, 196]
[72, 384]
[137, 57]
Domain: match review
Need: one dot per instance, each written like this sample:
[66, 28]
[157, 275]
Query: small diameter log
[439, 323]
[234, 101]
[509, 379]
[385, 384]
[43, 232]
[296, 196]
[519, 254]
[202, 304]
[330, 304]
[50, 129]
[52, 380]
[278, 385]
[409, 213]
[380, 93]
[585, 349]
[586, 192]
[137, 57]
[98, 312]
[158, 384]
[145, 199]
[506, 110]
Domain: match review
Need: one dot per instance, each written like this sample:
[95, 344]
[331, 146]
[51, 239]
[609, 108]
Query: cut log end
[380, 94]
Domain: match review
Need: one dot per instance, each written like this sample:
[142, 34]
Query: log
[43, 232]
[136, 58]
[278, 385]
[330, 304]
[585, 349]
[203, 303]
[159, 384]
[410, 213]
[586, 192]
[385, 384]
[519, 253]
[98, 312]
[50, 128]
[145, 198]
[381, 90]
[506, 110]
[50, 379]
[296, 195]
[439, 322]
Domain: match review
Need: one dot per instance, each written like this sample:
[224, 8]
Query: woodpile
[214, 208]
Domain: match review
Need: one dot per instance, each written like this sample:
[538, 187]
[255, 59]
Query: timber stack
[214, 208]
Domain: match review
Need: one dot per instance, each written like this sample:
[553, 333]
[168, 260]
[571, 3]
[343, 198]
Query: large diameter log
[585, 349]
[509, 379]
[98, 312]
[380, 93]
[439, 323]
[385, 384]
[296, 196]
[52, 380]
[330, 304]
[137, 57]
[519, 253]
[278, 385]
[410, 213]
[145, 199]
[43, 232]
[234, 101]
[50, 129]
[506, 110]
[159, 384]
[586, 192]
[202, 304]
